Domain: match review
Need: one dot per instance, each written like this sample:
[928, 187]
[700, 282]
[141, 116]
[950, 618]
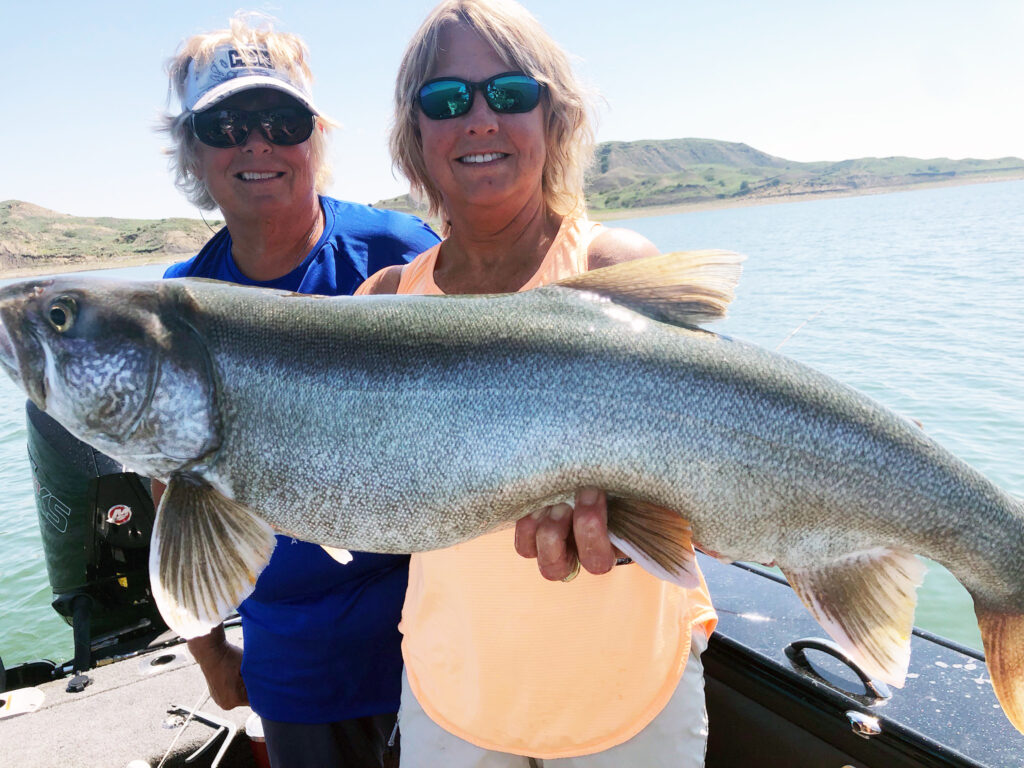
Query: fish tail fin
[1002, 634]
[865, 601]
[683, 288]
[659, 539]
[206, 554]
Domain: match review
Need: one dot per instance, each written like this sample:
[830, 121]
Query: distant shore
[81, 265]
[59, 266]
[751, 200]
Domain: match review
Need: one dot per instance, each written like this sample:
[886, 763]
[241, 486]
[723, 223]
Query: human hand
[221, 664]
[564, 538]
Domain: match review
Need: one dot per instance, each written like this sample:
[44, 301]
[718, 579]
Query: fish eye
[62, 314]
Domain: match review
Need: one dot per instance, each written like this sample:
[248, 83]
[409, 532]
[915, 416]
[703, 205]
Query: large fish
[407, 423]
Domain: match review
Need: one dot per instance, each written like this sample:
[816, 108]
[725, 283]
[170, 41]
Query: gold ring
[573, 573]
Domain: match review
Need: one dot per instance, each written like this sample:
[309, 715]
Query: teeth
[253, 176]
[486, 158]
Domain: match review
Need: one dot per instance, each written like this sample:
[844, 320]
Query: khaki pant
[676, 738]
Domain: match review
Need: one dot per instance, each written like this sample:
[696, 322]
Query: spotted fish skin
[409, 423]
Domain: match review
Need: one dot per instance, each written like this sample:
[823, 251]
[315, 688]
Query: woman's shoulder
[615, 245]
[383, 281]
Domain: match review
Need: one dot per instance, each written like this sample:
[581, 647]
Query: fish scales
[398, 369]
[400, 424]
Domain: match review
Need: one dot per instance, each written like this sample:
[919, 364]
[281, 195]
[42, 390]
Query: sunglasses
[508, 93]
[222, 128]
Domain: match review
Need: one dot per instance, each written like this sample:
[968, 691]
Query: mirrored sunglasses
[222, 128]
[508, 93]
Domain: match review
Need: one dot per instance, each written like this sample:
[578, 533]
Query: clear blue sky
[84, 82]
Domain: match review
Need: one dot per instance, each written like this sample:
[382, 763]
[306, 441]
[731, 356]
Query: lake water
[915, 298]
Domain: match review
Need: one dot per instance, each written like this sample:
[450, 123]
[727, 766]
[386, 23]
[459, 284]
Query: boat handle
[796, 652]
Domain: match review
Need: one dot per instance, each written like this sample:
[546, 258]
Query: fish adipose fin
[683, 288]
[658, 539]
[1002, 634]
[865, 601]
[206, 553]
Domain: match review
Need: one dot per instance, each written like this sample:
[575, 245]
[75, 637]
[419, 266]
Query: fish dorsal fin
[206, 554]
[683, 288]
[865, 601]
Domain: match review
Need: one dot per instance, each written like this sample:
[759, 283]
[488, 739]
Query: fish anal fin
[206, 554]
[657, 538]
[683, 288]
[1003, 636]
[865, 601]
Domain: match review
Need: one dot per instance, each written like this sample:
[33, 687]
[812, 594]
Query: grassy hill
[35, 239]
[651, 174]
[639, 174]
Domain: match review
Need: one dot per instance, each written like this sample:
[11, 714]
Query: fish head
[117, 364]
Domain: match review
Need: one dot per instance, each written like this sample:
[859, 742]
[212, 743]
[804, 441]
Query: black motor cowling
[96, 521]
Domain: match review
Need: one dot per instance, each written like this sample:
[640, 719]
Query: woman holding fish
[412, 423]
[491, 127]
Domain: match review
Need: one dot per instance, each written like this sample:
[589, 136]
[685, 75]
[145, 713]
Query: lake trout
[409, 423]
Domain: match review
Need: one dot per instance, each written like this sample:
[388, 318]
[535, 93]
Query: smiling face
[258, 178]
[482, 158]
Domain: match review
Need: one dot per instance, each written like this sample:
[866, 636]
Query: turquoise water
[914, 298]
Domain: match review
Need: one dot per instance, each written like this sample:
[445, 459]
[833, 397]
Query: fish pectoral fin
[683, 288]
[865, 601]
[658, 539]
[1002, 634]
[343, 556]
[205, 556]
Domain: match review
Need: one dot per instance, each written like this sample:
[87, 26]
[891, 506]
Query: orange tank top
[510, 662]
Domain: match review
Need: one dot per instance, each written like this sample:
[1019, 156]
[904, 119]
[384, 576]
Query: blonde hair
[249, 30]
[521, 42]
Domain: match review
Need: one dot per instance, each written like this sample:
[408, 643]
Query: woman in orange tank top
[591, 667]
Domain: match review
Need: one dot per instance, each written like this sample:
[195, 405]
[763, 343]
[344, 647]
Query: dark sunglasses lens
[221, 128]
[445, 98]
[512, 93]
[286, 126]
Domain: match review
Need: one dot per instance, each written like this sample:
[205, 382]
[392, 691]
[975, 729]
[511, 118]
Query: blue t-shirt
[321, 639]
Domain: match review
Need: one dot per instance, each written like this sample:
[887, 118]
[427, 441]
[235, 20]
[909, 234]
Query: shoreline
[55, 267]
[749, 202]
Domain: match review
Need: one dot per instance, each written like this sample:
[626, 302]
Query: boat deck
[123, 716]
[764, 709]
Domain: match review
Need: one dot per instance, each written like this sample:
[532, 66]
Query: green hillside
[639, 174]
[34, 239]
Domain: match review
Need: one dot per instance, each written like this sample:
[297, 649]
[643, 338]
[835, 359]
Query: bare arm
[383, 281]
[615, 246]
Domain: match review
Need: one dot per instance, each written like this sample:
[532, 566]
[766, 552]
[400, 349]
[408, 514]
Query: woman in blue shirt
[322, 660]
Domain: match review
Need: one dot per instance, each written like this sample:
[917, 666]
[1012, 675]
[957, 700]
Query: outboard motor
[96, 520]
